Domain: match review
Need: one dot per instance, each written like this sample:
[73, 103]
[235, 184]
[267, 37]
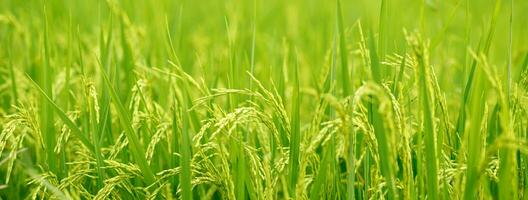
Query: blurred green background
[200, 30]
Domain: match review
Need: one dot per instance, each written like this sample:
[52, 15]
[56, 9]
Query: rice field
[254, 99]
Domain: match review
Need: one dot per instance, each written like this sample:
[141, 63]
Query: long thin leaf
[136, 148]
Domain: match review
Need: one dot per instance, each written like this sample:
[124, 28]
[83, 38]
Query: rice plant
[233, 99]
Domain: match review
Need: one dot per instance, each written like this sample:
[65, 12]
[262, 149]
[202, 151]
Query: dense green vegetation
[275, 99]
